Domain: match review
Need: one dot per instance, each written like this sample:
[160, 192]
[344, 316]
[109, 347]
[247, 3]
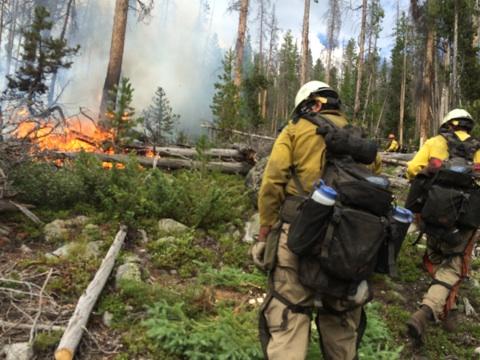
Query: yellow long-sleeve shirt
[299, 145]
[435, 147]
[393, 146]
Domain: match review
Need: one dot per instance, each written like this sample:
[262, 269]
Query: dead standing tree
[119, 30]
[240, 45]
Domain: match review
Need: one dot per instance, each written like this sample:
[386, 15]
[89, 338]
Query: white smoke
[173, 49]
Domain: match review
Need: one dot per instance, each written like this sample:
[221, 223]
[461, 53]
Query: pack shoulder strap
[296, 181]
[457, 148]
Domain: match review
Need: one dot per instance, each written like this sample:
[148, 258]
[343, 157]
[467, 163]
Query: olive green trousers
[289, 329]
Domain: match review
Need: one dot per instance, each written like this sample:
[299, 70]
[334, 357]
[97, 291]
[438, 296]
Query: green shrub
[230, 335]
[196, 198]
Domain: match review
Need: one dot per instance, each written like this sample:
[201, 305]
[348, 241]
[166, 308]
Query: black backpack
[449, 199]
[339, 246]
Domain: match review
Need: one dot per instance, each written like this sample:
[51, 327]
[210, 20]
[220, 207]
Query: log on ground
[72, 335]
[221, 166]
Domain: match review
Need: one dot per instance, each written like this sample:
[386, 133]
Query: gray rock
[56, 230]
[128, 271]
[252, 227]
[166, 240]
[18, 351]
[65, 250]
[25, 249]
[78, 221]
[253, 180]
[477, 350]
[107, 319]
[133, 258]
[91, 232]
[173, 272]
[171, 226]
[93, 249]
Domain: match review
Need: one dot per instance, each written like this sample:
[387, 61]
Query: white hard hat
[309, 88]
[456, 114]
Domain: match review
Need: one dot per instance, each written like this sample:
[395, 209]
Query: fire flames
[74, 135]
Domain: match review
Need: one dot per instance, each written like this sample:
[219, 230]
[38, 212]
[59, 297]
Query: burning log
[224, 167]
[72, 335]
[247, 154]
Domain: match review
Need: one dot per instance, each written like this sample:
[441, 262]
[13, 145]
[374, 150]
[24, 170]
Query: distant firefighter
[392, 144]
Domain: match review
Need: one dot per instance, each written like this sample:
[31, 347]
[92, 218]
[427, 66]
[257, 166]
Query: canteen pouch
[365, 196]
[443, 206]
[309, 226]
[470, 216]
[271, 247]
[353, 238]
[390, 248]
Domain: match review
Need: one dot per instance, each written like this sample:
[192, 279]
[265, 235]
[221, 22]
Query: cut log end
[63, 354]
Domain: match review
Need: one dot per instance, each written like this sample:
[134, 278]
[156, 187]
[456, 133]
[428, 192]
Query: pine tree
[226, 100]
[42, 56]
[159, 120]
[347, 87]
[120, 114]
[288, 79]
[318, 72]
[251, 89]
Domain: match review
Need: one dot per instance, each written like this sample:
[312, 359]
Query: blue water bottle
[324, 194]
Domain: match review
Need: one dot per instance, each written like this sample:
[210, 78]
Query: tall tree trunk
[402, 93]
[114, 69]
[11, 35]
[2, 17]
[333, 27]
[305, 32]
[455, 56]
[51, 92]
[240, 45]
[425, 105]
[360, 61]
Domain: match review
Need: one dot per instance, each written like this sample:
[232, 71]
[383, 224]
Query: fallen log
[73, 333]
[397, 156]
[247, 155]
[394, 162]
[238, 132]
[221, 166]
[13, 325]
[7, 205]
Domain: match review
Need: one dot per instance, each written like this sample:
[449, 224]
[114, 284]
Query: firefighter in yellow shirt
[447, 262]
[287, 312]
[392, 144]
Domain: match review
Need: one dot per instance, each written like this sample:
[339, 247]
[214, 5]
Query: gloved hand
[257, 251]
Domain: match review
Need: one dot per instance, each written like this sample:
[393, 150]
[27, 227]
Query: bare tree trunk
[333, 28]
[116, 53]
[11, 35]
[305, 31]
[51, 93]
[2, 17]
[360, 61]
[425, 96]
[402, 93]
[455, 56]
[240, 45]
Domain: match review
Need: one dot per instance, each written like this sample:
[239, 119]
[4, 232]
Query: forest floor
[197, 295]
